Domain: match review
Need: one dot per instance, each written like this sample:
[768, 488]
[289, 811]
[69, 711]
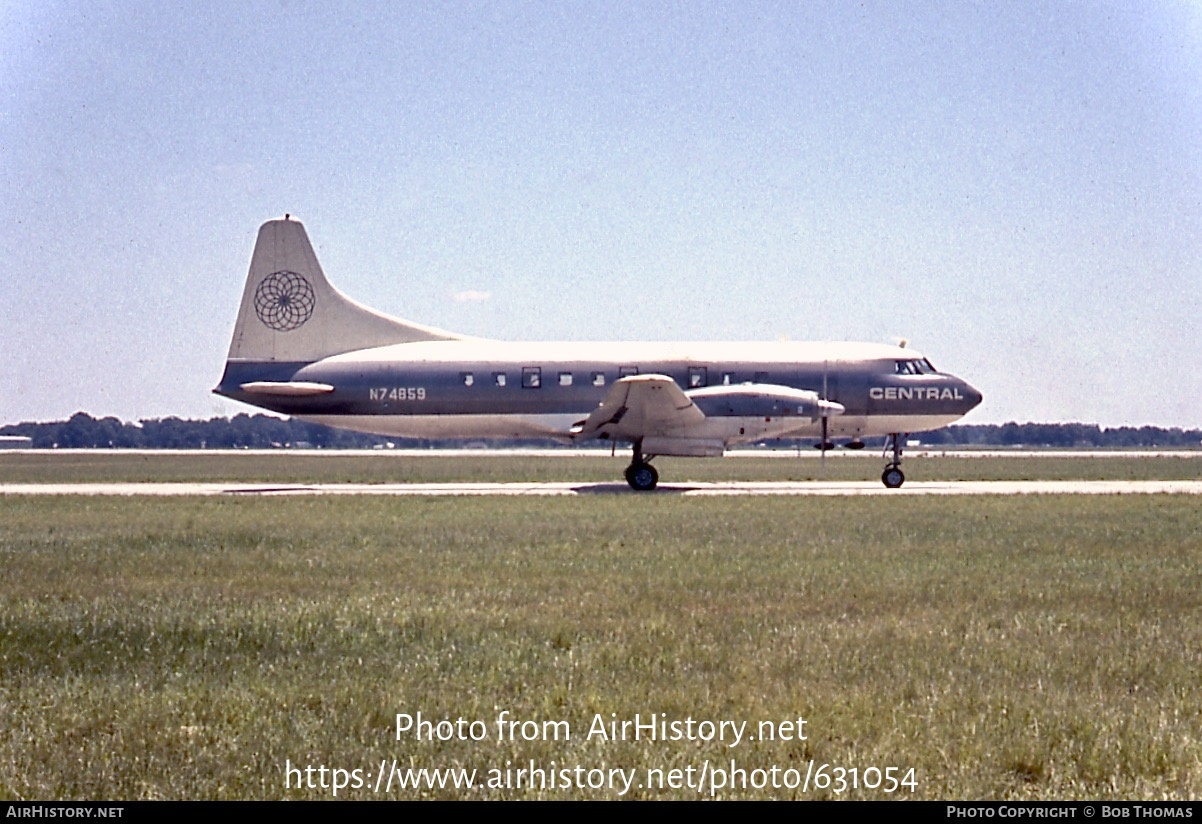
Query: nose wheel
[893, 477]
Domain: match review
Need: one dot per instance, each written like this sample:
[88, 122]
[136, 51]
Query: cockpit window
[915, 367]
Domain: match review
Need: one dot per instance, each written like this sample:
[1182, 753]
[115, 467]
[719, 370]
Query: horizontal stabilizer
[287, 389]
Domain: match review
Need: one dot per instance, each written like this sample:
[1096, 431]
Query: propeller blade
[824, 444]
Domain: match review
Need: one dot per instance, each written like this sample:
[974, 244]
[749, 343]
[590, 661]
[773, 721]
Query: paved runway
[812, 488]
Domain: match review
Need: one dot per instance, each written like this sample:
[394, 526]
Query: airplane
[302, 348]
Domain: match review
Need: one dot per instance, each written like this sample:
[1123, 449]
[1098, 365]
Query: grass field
[1028, 647]
[332, 467]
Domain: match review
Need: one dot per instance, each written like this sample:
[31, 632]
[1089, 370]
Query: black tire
[642, 477]
[892, 477]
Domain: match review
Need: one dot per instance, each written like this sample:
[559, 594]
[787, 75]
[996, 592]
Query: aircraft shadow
[264, 490]
[624, 489]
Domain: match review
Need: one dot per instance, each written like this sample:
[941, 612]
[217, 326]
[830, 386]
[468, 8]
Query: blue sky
[1016, 188]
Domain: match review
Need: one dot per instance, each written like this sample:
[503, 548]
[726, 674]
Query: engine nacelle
[762, 400]
[683, 447]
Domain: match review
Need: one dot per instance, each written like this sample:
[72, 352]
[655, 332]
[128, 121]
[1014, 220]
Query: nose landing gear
[893, 477]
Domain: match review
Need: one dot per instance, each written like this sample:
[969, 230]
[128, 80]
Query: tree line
[243, 431]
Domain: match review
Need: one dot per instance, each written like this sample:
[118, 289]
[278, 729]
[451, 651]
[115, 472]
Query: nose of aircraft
[972, 395]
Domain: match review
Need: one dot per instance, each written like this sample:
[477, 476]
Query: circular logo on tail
[284, 300]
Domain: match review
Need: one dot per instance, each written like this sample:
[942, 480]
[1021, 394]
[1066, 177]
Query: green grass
[1031, 647]
[308, 467]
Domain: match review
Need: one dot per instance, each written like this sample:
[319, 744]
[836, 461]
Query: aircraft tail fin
[291, 313]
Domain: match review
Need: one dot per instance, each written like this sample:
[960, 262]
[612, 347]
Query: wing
[640, 406]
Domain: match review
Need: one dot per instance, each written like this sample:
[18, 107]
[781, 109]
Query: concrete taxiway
[740, 488]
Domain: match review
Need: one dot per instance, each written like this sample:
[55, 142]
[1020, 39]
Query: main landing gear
[641, 475]
[892, 477]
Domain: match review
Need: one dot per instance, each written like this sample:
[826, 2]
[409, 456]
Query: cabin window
[627, 371]
[467, 377]
[565, 378]
[728, 378]
[498, 378]
[697, 376]
[761, 377]
[532, 377]
[598, 379]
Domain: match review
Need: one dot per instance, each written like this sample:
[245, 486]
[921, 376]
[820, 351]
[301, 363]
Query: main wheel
[642, 477]
[892, 477]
